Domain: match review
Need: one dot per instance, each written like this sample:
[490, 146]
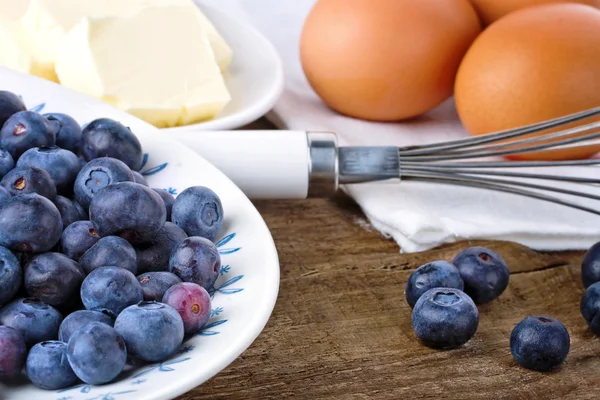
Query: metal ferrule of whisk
[473, 161]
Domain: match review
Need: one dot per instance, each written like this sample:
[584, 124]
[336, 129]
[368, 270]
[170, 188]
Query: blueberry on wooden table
[154, 254]
[29, 223]
[540, 343]
[77, 238]
[13, 352]
[110, 251]
[431, 275]
[47, 366]
[10, 104]
[197, 260]
[77, 319]
[105, 137]
[199, 212]
[125, 290]
[590, 266]
[590, 307]
[11, 275]
[127, 209]
[484, 273]
[155, 284]
[62, 165]
[53, 278]
[96, 353]
[66, 130]
[25, 130]
[98, 174]
[445, 318]
[26, 180]
[192, 302]
[152, 331]
[35, 320]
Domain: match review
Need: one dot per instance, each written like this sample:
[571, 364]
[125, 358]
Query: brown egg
[386, 60]
[530, 66]
[492, 10]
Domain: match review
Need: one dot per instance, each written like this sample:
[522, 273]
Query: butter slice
[11, 55]
[223, 52]
[157, 65]
[45, 23]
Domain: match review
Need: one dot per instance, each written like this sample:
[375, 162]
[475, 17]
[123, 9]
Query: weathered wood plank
[341, 327]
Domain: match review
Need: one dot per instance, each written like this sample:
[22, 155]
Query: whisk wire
[499, 136]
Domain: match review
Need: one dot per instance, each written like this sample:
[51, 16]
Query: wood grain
[341, 327]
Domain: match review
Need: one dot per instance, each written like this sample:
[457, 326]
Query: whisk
[296, 164]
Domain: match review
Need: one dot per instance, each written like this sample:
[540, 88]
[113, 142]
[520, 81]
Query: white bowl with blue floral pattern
[244, 294]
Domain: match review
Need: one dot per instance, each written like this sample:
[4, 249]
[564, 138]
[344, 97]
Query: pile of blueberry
[445, 295]
[96, 268]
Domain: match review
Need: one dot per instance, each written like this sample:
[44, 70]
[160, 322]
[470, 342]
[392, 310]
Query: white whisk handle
[270, 164]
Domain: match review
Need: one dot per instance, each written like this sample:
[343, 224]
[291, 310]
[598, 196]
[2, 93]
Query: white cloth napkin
[417, 216]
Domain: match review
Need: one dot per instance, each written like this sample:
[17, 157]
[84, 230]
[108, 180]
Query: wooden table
[341, 328]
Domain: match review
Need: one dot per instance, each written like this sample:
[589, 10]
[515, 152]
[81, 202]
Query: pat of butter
[11, 55]
[223, 52]
[12, 35]
[157, 65]
[45, 23]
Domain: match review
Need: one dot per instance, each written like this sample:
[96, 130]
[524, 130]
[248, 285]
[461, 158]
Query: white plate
[245, 292]
[254, 77]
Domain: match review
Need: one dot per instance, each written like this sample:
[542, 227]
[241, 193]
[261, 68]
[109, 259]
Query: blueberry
[11, 275]
[53, 278]
[196, 260]
[98, 174]
[155, 284]
[48, 367]
[198, 211]
[108, 138]
[83, 214]
[540, 343]
[24, 130]
[4, 195]
[66, 130]
[10, 104]
[29, 223]
[429, 276]
[483, 272]
[154, 255]
[13, 352]
[445, 318]
[110, 251]
[77, 319]
[96, 353]
[6, 162]
[130, 210]
[36, 321]
[168, 199]
[152, 331]
[69, 212]
[77, 238]
[26, 180]
[139, 178]
[192, 302]
[590, 266]
[110, 290]
[62, 165]
[590, 307]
